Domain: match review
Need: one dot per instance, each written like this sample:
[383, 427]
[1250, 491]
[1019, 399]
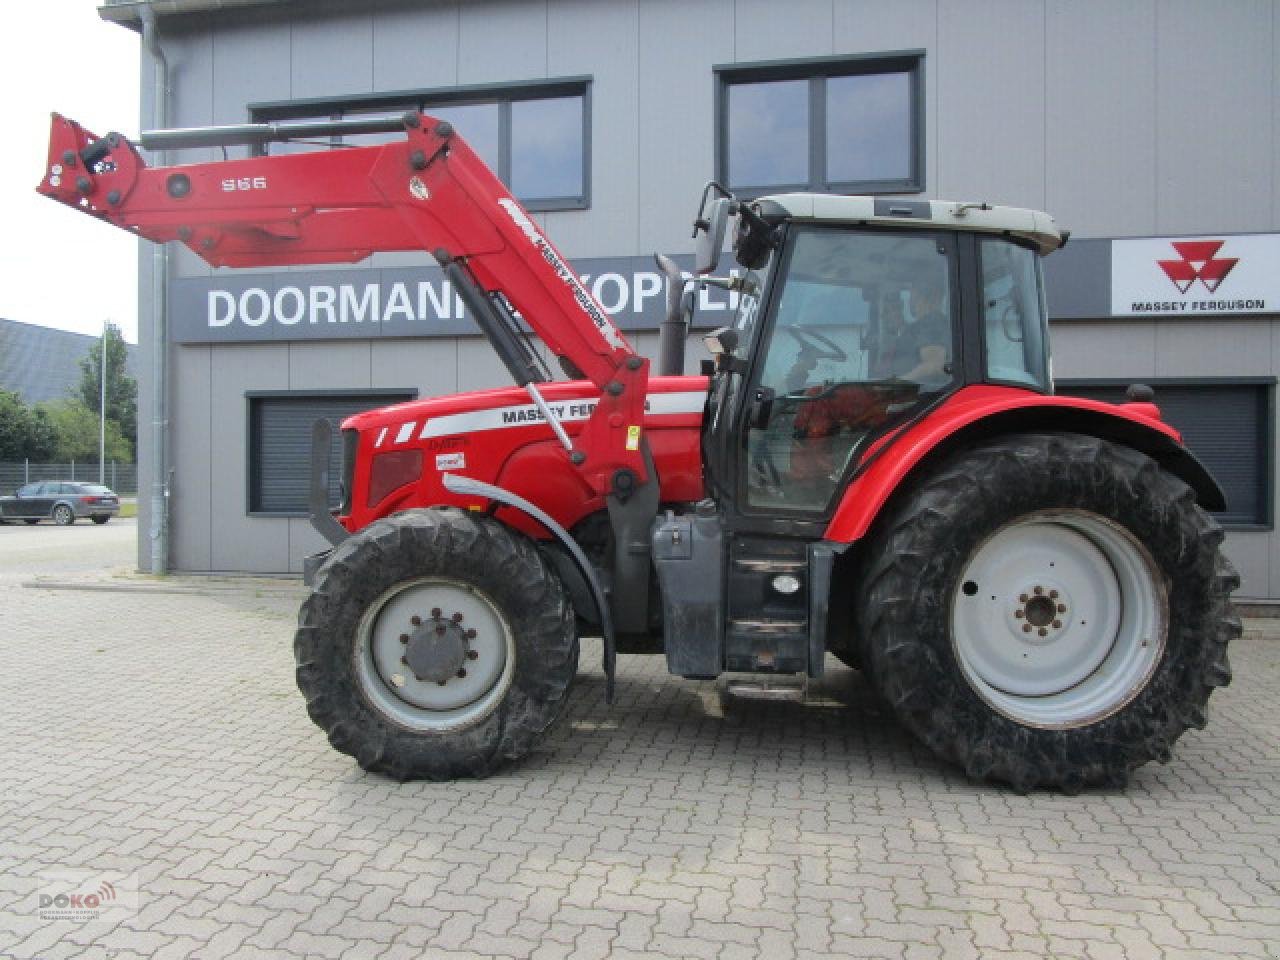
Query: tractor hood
[483, 410]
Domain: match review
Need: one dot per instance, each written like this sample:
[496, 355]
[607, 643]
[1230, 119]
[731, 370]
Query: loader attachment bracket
[318, 498]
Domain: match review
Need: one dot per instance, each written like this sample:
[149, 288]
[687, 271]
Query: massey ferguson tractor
[874, 465]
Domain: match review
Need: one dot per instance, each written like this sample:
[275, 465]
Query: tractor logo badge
[1198, 262]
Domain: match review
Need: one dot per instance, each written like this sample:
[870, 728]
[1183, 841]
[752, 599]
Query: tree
[122, 389]
[76, 428]
[25, 434]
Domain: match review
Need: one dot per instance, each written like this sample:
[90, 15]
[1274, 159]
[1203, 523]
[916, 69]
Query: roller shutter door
[1228, 426]
[280, 446]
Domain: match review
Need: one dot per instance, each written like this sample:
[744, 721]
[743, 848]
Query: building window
[841, 125]
[535, 137]
[1228, 424]
[280, 425]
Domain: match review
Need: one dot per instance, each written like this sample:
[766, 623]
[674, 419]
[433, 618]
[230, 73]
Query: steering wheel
[821, 346]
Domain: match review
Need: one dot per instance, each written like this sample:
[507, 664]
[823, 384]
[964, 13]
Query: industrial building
[1149, 128]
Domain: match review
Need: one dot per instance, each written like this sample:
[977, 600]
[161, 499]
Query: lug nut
[472, 655]
[1038, 591]
[1062, 608]
[1026, 628]
[1022, 597]
[457, 618]
[462, 672]
[404, 638]
[1019, 614]
[1053, 594]
[416, 620]
[1043, 632]
[1057, 624]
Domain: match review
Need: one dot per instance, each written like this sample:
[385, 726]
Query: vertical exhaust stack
[675, 325]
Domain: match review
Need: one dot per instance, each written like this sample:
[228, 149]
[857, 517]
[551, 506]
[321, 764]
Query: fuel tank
[399, 454]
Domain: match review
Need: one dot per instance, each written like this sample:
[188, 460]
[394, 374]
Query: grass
[128, 508]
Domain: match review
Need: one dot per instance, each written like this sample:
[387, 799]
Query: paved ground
[155, 741]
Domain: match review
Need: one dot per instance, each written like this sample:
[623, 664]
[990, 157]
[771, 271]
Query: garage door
[280, 445]
[1227, 425]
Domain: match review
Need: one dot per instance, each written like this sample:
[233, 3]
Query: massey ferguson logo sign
[1197, 263]
[1195, 275]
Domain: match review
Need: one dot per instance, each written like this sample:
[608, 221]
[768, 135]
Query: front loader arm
[429, 192]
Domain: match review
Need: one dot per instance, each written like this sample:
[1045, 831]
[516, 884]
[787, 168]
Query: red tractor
[874, 465]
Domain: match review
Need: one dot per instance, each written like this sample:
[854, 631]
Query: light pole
[102, 408]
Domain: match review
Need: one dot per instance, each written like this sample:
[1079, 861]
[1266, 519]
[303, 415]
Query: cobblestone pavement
[157, 738]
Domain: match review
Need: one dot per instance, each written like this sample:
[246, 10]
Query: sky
[60, 268]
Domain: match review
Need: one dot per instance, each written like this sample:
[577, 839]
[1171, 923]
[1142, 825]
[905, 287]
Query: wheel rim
[434, 654]
[1059, 619]
[62, 515]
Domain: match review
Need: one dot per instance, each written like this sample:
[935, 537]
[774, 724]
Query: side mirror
[708, 232]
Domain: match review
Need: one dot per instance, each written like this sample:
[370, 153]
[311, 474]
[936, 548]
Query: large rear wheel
[435, 644]
[1049, 610]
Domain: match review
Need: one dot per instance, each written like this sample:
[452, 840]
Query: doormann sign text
[393, 302]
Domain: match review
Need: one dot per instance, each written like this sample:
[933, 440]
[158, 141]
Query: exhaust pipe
[675, 325]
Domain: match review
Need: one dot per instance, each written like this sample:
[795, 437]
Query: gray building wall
[1133, 119]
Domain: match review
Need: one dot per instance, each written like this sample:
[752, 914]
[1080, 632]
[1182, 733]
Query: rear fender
[980, 413]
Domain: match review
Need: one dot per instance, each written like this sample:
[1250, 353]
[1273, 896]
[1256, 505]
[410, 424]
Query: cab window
[1013, 314]
[862, 333]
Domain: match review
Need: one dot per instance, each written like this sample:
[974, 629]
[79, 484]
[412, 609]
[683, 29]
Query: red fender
[976, 413]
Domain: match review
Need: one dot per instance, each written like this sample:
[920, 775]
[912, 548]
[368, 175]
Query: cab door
[860, 333]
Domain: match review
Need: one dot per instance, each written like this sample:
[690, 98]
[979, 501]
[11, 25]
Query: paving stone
[674, 824]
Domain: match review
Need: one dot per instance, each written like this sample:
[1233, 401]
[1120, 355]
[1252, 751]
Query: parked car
[63, 503]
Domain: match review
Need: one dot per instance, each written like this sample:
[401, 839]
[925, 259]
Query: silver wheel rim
[390, 669]
[62, 515]
[1059, 619]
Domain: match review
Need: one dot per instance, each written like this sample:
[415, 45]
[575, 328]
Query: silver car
[61, 502]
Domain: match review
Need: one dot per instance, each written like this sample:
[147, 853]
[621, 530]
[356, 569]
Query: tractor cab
[856, 316]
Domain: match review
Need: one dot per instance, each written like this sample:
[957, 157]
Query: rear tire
[385, 642]
[1116, 665]
[100, 520]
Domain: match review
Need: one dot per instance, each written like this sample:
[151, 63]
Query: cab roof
[1033, 226]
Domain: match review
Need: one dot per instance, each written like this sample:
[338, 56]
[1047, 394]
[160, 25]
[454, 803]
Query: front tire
[435, 644]
[63, 515]
[1049, 610]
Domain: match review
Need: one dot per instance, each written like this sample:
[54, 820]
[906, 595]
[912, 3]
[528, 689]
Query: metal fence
[120, 477]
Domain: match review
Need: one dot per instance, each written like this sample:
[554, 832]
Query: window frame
[1267, 430]
[381, 397]
[503, 95]
[817, 71]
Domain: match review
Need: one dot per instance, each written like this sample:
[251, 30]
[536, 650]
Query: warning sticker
[633, 437]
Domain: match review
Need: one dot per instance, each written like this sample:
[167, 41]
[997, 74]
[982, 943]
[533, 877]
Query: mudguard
[976, 413]
[465, 486]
